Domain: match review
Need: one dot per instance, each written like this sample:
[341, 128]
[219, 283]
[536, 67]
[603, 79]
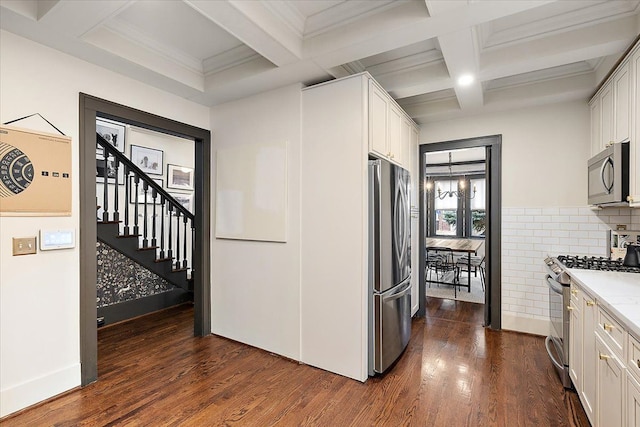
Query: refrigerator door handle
[400, 293]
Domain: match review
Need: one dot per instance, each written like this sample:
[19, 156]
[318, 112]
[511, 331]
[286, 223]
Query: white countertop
[618, 292]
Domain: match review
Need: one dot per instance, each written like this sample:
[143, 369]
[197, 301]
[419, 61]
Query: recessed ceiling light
[465, 79]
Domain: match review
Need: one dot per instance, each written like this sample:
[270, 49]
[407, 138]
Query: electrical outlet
[24, 246]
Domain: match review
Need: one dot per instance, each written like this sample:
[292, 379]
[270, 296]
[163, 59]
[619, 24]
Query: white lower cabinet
[633, 401]
[611, 375]
[575, 344]
[589, 355]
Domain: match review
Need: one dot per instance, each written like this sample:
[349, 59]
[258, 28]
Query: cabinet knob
[590, 303]
[569, 308]
[574, 292]
[607, 327]
[630, 199]
[603, 356]
[638, 363]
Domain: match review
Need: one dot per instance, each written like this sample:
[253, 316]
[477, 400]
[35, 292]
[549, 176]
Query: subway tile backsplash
[530, 234]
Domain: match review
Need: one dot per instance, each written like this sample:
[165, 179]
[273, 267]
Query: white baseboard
[512, 322]
[29, 393]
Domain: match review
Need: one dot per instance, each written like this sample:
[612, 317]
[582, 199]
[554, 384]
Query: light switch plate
[24, 246]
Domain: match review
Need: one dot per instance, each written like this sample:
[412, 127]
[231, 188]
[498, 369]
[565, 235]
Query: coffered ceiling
[211, 51]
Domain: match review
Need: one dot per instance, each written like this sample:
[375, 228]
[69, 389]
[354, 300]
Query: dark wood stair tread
[163, 259]
[148, 248]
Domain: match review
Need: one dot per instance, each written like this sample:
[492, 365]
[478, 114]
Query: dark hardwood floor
[153, 372]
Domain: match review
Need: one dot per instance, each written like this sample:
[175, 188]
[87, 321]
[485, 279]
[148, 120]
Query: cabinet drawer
[633, 362]
[612, 332]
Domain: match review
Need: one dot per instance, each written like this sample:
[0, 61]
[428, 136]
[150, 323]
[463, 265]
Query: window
[446, 209]
[478, 208]
[457, 216]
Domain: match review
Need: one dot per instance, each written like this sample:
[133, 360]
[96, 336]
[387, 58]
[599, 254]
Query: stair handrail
[111, 150]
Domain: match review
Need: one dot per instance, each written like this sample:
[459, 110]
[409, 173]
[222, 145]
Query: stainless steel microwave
[608, 174]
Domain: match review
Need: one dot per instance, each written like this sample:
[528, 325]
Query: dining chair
[440, 261]
[476, 265]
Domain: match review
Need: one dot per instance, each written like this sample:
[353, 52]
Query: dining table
[465, 246]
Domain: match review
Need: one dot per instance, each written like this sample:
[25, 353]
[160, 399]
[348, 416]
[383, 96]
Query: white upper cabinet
[634, 149]
[615, 116]
[394, 137]
[405, 148]
[378, 106]
[607, 115]
[596, 133]
[389, 127]
[622, 99]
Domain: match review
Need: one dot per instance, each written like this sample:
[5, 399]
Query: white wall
[544, 155]
[255, 295]
[544, 151]
[39, 294]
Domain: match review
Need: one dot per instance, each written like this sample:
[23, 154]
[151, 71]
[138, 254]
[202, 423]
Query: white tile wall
[530, 234]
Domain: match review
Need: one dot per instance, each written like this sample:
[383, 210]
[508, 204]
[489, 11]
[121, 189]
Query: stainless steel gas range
[559, 281]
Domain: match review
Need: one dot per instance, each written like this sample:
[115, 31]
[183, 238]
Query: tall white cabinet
[342, 121]
[615, 116]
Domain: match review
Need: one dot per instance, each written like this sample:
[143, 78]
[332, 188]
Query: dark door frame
[493, 239]
[90, 108]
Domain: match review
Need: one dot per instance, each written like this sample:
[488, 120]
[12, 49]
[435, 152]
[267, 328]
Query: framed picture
[185, 199]
[149, 160]
[109, 164]
[113, 132]
[179, 177]
[132, 191]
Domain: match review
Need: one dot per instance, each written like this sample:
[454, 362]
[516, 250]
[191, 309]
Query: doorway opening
[90, 109]
[460, 222]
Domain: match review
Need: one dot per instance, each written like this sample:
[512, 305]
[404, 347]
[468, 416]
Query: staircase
[153, 228]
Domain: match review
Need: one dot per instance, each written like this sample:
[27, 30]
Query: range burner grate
[595, 263]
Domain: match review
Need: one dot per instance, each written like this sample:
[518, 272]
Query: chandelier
[459, 193]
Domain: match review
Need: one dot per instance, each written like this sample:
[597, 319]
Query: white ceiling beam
[573, 88]
[219, 91]
[77, 18]
[440, 7]
[461, 57]
[44, 6]
[401, 26]
[17, 23]
[416, 81]
[604, 39]
[118, 45]
[256, 26]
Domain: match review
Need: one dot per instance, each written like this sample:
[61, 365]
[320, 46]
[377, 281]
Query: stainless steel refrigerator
[389, 264]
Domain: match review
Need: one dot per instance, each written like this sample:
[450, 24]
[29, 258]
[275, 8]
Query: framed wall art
[108, 163]
[179, 177]
[113, 132]
[132, 191]
[149, 160]
[35, 173]
[185, 199]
